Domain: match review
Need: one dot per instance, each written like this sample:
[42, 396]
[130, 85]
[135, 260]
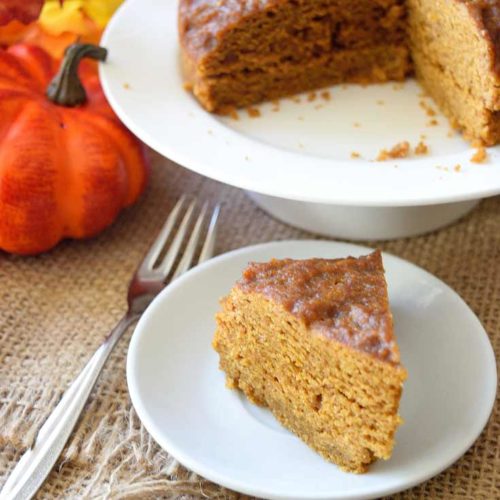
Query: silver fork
[149, 279]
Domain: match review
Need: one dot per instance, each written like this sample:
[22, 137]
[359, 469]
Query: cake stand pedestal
[363, 223]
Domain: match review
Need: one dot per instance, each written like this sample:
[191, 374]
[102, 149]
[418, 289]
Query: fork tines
[166, 250]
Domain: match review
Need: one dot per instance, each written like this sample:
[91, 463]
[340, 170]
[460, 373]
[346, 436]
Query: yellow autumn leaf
[72, 15]
[56, 18]
[101, 10]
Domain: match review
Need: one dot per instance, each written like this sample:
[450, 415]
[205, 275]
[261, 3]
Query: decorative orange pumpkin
[67, 165]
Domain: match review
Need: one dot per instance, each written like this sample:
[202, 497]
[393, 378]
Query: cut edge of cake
[457, 61]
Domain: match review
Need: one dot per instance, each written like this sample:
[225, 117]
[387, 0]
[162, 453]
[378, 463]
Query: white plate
[179, 393]
[300, 152]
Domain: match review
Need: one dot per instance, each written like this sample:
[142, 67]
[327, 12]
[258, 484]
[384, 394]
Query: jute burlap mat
[56, 308]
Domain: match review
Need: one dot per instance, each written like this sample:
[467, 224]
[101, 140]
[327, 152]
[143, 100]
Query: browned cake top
[343, 299]
[202, 22]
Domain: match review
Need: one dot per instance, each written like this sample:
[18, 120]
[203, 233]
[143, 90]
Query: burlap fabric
[56, 308]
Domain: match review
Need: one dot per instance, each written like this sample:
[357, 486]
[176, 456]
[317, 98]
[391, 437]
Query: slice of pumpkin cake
[313, 341]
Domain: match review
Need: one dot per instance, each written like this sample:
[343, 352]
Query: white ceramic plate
[179, 393]
[300, 152]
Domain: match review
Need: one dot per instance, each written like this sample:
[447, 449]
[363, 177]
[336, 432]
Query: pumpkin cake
[313, 341]
[237, 53]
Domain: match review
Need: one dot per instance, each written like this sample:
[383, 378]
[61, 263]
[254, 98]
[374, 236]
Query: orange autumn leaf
[55, 45]
[13, 32]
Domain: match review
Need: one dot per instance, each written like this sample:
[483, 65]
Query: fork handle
[36, 463]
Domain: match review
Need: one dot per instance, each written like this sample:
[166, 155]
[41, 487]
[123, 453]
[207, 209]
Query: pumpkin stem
[66, 89]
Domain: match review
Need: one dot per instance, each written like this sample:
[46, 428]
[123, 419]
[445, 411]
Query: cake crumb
[432, 123]
[398, 86]
[301, 146]
[400, 150]
[210, 132]
[356, 125]
[300, 118]
[296, 99]
[247, 158]
[326, 95]
[126, 86]
[429, 110]
[421, 148]
[319, 106]
[312, 96]
[480, 156]
[253, 112]
[423, 137]
[380, 102]
[230, 111]
[355, 154]
[457, 168]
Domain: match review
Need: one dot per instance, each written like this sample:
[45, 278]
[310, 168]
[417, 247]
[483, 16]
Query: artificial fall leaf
[57, 18]
[55, 45]
[25, 11]
[71, 15]
[61, 24]
[13, 32]
[101, 10]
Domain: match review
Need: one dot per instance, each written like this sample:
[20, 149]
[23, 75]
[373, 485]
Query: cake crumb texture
[455, 46]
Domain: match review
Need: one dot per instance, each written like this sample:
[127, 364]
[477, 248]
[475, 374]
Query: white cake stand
[309, 163]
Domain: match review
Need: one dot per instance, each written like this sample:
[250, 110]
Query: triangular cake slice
[313, 341]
